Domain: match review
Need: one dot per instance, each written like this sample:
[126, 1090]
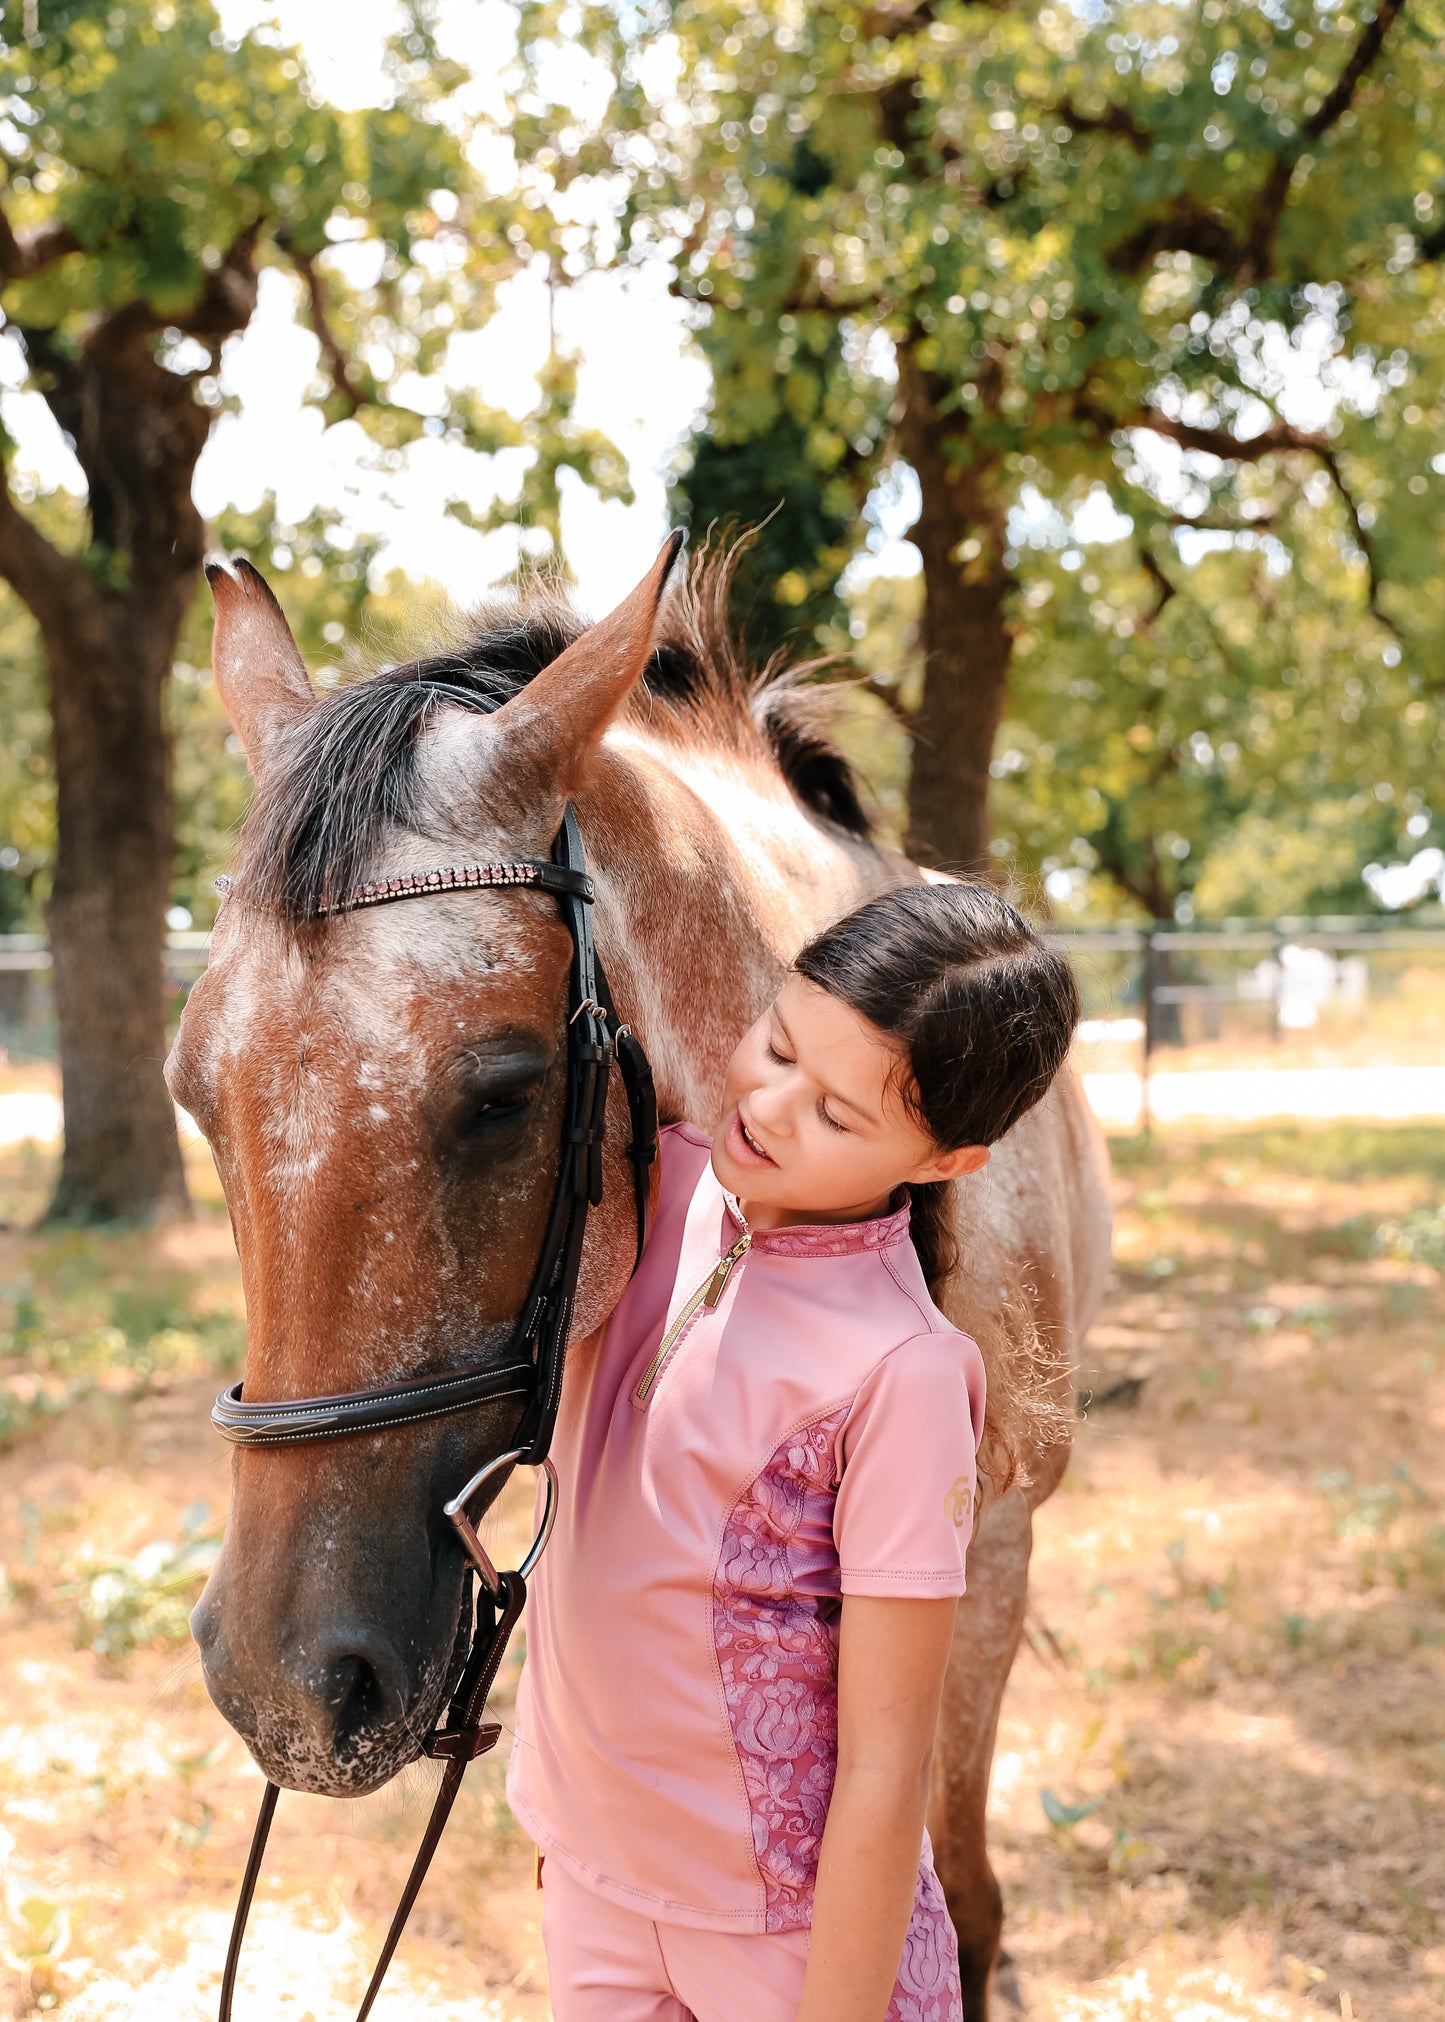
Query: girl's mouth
[743, 1146]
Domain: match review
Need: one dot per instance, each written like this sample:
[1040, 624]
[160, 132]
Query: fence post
[1152, 965]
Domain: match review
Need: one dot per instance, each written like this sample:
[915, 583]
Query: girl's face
[813, 1127]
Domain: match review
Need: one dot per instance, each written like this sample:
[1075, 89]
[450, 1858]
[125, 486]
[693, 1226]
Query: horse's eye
[486, 1113]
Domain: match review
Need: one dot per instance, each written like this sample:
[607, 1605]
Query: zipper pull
[717, 1283]
[707, 1294]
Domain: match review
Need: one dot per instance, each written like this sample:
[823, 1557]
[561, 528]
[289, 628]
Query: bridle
[534, 1367]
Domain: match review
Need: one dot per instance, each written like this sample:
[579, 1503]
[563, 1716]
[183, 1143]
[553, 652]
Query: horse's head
[383, 1093]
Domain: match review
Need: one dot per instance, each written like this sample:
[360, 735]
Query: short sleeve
[904, 1510]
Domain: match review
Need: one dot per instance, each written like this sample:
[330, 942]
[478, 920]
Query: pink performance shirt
[810, 1435]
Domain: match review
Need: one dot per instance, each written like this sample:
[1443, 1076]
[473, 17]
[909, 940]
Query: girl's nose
[769, 1106]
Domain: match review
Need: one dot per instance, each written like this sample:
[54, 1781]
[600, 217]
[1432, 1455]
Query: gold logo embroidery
[960, 1502]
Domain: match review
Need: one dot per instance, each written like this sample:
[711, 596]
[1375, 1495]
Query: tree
[1187, 259]
[1234, 741]
[153, 170]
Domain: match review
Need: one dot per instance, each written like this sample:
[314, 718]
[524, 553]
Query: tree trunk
[110, 621]
[961, 533]
[122, 1157]
[137, 431]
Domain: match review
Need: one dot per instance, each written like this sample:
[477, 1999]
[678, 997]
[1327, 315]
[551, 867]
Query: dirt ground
[1218, 1789]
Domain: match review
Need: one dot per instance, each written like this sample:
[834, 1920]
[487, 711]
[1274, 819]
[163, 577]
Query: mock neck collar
[826, 1239]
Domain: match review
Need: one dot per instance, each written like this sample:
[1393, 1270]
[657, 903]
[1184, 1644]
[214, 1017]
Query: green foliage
[1248, 743]
[324, 579]
[133, 1603]
[87, 1322]
[1064, 1817]
[1185, 265]
[151, 164]
[152, 167]
[27, 787]
[786, 587]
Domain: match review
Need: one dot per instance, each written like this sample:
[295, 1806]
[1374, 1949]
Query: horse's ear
[260, 675]
[563, 711]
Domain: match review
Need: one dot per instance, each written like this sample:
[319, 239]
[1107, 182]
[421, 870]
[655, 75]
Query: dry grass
[1235, 1645]
[1238, 1618]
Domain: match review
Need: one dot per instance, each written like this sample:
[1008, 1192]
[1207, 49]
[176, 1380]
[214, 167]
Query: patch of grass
[1417, 1238]
[1369, 1511]
[87, 1311]
[144, 1601]
[1338, 1151]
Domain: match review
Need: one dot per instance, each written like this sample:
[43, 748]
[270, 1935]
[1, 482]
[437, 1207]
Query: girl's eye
[831, 1121]
[781, 1058]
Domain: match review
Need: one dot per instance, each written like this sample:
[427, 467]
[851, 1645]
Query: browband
[560, 879]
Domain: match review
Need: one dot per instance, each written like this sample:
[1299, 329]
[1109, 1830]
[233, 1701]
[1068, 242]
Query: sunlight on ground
[1219, 1782]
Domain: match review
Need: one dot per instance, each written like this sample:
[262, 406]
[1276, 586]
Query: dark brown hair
[982, 1014]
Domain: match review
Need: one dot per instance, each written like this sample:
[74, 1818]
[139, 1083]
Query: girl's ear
[946, 1165]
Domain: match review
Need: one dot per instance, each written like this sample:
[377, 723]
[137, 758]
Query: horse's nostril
[364, 1691]
[356, 1696]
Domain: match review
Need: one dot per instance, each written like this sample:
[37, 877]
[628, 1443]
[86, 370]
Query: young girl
[737, 1641]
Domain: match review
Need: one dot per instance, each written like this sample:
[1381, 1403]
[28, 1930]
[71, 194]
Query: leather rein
[533, 1369]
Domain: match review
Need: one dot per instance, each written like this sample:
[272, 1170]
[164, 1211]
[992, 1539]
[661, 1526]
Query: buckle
[449, 1743]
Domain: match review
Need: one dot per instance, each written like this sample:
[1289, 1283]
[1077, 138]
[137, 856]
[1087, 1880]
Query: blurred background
[1080, 368]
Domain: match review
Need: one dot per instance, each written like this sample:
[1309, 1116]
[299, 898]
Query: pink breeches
[607, 1964]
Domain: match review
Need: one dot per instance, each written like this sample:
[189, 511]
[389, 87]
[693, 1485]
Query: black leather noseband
[533, 1368]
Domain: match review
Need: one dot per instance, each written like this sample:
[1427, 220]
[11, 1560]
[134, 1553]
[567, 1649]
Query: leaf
[1067, 1815]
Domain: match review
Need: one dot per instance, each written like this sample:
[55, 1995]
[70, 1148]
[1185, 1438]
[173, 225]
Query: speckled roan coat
[383, 1093]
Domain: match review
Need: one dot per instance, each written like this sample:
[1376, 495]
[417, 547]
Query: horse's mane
[347, 770]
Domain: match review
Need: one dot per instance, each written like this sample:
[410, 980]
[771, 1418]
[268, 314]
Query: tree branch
[1245, 256]
[1363, 540]
[1114, 119]
[1332, 108]
[337, 362]
[1187, 227]
[1257, 248]
[904, 17]
[1279, 437]
[1155, 571]
[52, 585]
[39, 246]
[1218, 523]
[888, 696]
[1231, 448]
[228, 301]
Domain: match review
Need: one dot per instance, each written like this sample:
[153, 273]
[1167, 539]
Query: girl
[740, 1631]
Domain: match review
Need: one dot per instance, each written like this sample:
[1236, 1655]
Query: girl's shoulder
[685, 1154]
[675, 1136]
[684, 1166]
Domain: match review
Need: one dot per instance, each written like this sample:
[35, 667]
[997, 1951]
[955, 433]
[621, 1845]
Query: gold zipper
[707, 1294]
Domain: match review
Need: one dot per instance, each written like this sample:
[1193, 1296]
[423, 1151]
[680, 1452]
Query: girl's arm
[891, 1660]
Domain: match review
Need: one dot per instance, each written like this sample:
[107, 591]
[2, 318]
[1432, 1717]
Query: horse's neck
[710, 879]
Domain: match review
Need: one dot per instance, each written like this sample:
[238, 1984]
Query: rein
[536, 1359]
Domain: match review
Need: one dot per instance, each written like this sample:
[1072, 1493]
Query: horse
[382, 1092]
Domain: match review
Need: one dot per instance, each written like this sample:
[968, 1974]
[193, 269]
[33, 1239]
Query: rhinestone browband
[545, 877]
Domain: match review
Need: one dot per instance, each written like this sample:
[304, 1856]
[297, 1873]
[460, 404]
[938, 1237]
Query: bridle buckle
[447, 1743]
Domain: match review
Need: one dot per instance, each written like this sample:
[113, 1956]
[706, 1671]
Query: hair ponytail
[931, 1226]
